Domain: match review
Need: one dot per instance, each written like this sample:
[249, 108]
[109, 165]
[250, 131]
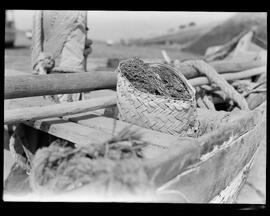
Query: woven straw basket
[156, 112]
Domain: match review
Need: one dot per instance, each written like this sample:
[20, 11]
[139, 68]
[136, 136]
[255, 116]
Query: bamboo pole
[57, 110]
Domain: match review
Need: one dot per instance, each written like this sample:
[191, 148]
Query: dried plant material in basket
[155, 96]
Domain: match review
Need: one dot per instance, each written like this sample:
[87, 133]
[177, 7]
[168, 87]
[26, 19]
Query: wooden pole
[226, 66]
[57, 110]
[39, 85]
[34, 85]
[229, 76]
[166, 57]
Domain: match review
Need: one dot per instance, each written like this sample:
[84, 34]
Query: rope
[105, 166]
[216, 78]
[44, 64]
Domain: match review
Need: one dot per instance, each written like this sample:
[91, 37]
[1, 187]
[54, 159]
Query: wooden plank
[11, 72]
[161, 164]
[84, 135]
[203, 182]
[69, 131]
[38, 85]
[57, 110]
[160, 141]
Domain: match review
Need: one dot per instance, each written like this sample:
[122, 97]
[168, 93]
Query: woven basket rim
[191, 90]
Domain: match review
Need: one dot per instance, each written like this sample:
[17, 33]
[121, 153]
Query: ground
[18, 58]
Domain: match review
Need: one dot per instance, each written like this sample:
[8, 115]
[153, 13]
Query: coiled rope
[216, 78]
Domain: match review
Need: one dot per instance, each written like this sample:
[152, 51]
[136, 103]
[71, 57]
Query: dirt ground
[18, 58]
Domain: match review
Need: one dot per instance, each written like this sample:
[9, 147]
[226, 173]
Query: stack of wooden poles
[232, 61]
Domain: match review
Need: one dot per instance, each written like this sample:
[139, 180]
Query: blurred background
[124, 34]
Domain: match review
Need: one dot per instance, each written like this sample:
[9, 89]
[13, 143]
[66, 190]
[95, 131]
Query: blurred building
[10, 29]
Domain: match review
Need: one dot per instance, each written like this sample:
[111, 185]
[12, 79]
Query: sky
[114, 25]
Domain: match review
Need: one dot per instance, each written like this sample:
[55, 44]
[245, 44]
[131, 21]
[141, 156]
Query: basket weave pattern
[152, 111]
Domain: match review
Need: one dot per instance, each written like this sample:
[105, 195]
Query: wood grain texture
[204, 181]
[69, 131]
[38, 85]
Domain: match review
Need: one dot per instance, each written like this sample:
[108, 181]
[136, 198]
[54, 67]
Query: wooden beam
[226, 66]
[57, 110]
[33, 85]
[69, 131]
[38, 85]
[230, 76]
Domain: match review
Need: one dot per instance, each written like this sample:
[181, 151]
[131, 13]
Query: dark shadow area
[83, 117]
[15, 47]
